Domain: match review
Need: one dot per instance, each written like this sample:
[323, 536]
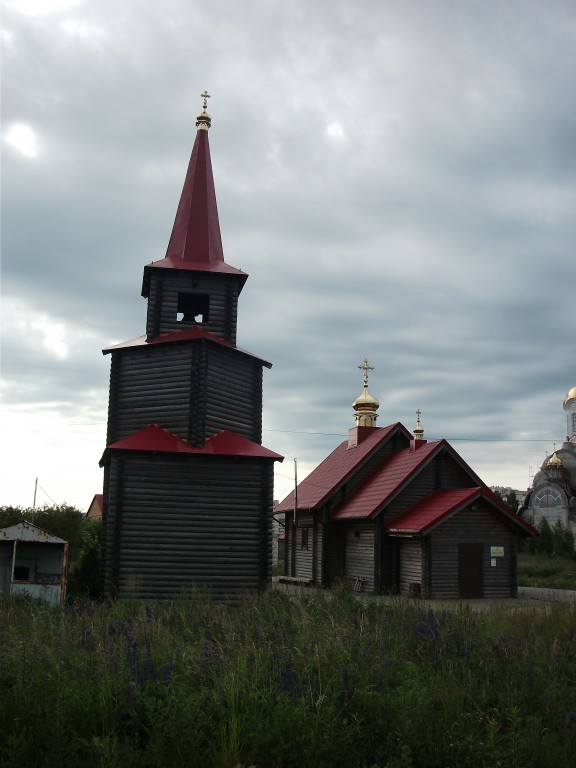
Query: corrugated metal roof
[26, 531]
[336, 468]
[186, 334]
[224, 443]
[389, 478]
[430, 511]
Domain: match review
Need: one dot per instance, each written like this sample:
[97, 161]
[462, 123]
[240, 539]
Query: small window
[21, 573]
[193, 308]
[304, 539]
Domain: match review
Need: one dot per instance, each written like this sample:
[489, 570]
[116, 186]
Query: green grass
[546, 571]
[286, 683]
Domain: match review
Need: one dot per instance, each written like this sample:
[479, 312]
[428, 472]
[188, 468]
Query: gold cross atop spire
[365, 404]
[418, 429]
[366, 367]
[204, 121]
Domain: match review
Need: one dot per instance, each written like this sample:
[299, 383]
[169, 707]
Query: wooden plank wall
[359, 553]
[336, 549]
[389, 564]
[452, 475]
[193, 389]
[423, 484]
[234, 393]
[411, 564]
[151, 385]
[302, 558]
[471, 526]
[173, 523]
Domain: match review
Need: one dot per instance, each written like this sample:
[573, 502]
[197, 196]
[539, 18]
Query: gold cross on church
[366, 367]
[205, 96]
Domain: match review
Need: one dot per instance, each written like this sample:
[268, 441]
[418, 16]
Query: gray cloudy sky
[398, 179]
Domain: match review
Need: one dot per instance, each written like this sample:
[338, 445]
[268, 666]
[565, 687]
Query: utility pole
[295, 488]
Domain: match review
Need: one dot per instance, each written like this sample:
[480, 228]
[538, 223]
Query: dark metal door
[471, 570]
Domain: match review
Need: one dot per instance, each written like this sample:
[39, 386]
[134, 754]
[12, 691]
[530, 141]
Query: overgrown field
[274, 682]
[546, 571]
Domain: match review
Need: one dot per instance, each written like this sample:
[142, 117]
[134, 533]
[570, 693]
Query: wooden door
[471, 570]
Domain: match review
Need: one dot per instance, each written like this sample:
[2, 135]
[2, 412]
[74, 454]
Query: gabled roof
[186, 334]
[225, 443]
[429, 512]
[195, 242]
[387, 480]
[94, 511]
[26, 531]
[338, 467]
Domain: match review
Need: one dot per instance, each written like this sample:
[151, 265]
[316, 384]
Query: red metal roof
[195, 242]
[336, 468]
[186, 334]
[224, 443]
[433, 509]
[389, 478]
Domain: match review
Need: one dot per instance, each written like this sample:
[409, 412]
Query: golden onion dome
[554, 461]
[571, 395]
[366, 400]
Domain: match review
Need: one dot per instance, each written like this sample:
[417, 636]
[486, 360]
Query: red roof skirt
[224, 443]
[195, 242]
[186, 334]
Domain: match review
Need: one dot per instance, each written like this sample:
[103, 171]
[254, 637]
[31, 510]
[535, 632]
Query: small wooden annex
[391, 512]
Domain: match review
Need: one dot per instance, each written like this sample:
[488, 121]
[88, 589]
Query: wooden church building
[391, 512]
[188, 485]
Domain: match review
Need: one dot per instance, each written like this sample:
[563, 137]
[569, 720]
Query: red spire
[195, 242]
[196, 231]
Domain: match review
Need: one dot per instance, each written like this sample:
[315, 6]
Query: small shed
[33, 562]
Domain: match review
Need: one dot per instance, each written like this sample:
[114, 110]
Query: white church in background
[553, 492]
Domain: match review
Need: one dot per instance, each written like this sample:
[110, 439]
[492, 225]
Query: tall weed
[321, 680]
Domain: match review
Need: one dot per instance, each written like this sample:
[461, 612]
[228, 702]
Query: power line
[449, 439]
[46, 493]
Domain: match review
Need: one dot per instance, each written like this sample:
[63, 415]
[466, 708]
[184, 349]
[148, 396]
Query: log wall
[359, 553]
[193, 388]
[411, 564]
[176, 523]
[472, 526]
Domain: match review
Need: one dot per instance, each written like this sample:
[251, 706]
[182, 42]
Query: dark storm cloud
[398, 179]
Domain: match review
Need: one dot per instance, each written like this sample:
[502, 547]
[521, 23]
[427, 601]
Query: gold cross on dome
[366, 367]
[418, 414]
[205, 96]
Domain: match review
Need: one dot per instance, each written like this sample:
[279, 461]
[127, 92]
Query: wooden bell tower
[187, 484]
